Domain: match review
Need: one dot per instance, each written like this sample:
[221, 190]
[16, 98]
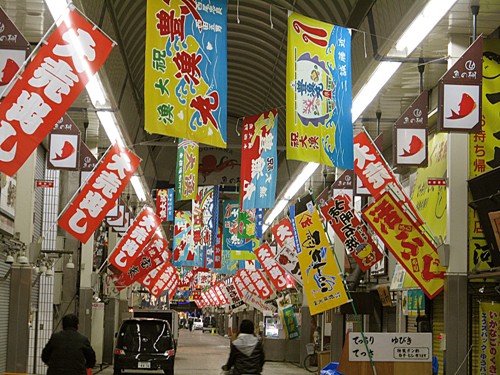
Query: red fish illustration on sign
[9, 71]
[467, 105]
[416, 145]
[67, 150]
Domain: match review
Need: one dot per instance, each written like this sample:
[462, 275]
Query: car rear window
[145, 336]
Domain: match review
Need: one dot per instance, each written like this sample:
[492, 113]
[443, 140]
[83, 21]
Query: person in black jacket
[247, 353]
[68, 352]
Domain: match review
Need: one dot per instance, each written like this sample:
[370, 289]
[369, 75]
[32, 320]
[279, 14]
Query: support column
[305, 334]
[23, 222]
[455, 294]
[19, 316]
[86, 292]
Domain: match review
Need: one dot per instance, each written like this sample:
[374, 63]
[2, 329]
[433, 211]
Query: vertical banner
[410, 134]
[286, 255]
[89, 208]
[290, 324]
[231, 240]
[273, 270]
[250, 223]
[484, 152]
[135, 240]
[64, 145]
[319, 93]
[186, 170]
[185, 79]
[412, 249]
[218, 249]
[259, 160]
[205, 222]
[50, 84]
[460, 92]
[489, 321]
[183, 247]
[346, 224]
[165, 204]
[323, 284]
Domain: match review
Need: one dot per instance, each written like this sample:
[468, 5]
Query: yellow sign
[322, 281]
[430, 201]
[482, 149]
[489, 321]
[411, 248]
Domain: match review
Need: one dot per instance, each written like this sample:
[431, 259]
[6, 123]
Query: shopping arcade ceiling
[257, 44]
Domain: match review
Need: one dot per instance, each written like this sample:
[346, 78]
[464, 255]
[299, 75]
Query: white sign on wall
[391, 347]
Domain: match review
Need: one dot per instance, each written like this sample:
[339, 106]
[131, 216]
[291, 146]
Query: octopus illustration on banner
[319, 93]
[185, 79]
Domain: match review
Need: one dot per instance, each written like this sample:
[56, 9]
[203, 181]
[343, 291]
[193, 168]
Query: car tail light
[170, 353]
[119, 351]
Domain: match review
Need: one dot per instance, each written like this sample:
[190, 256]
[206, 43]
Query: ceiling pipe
[475, 11]
[421, 68]
[379, 116]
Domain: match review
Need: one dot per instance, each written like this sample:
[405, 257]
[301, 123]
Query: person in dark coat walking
[247, 354]
[68, 352]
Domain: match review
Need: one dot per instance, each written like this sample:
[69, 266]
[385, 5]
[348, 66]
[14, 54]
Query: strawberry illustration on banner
[135, 240]
[72, 54]
[89, 208]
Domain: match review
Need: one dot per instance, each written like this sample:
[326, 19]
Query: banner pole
[358, 321]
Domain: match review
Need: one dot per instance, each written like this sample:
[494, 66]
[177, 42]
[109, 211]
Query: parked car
[197, 323]
[209, 324]
[144, 344]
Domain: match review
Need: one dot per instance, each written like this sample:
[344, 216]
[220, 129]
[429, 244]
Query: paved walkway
[201, 353]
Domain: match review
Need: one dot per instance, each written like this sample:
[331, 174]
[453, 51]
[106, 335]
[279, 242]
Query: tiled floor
[201, 353]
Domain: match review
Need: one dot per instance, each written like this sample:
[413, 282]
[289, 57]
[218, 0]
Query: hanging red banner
[221, 295]
[218, 249]
[167, 280]
[273, 270]
[344, 221]
[98, 196]
[262, 287]
[136, 238]
[50, 84]
[152, 256]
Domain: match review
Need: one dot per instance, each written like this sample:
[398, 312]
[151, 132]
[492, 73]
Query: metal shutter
[38, 206]
[4, 310]
[438, 328]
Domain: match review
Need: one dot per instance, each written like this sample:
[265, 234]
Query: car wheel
[117, 371]
[169, 371]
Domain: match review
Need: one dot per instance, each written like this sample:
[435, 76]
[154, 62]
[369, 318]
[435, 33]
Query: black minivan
[209, 324]
[144, 344]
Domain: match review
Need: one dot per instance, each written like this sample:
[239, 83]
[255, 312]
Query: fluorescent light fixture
[384, 71]
[139, 189]
[299, 181]
[108, 122]
[423, 24]
[56, 7]
[276, 211]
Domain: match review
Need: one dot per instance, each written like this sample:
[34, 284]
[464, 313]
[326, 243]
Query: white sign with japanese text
[391, 347]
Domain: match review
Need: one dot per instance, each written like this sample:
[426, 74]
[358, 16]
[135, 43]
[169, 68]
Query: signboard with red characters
[273, 270]
[136, 238]
[49, 85]
[98, 196]
[167, 280]
[411, 248]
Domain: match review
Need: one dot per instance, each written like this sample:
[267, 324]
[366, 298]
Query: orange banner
[410, 247]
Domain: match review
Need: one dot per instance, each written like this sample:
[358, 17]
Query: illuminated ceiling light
[108, 122]
[300, 180]
[384, 71]
[56, 8]
[423, 24]
[280, 206]
[139, 188]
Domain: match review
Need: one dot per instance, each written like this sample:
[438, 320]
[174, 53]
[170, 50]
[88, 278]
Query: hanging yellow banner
[185, 75]
[489, 321]
[322, 281]
[412, 249]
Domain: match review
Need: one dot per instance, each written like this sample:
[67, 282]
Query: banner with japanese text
[489, 354]
[167, 279]
[406, 242]
[99, 195]
[286, 255]
[186, 170]
[185, 80]
[183, 247]
[323, 285]
[205, 223]
[257, 303]
[228, 266]
[376, 175]
[484, 152]
[259, 160]
[290, 324]
[340, 214]
[218, 249]
[231, 240]
[155, 254]
[56, 76]
[135, 239]
[250, 223]
[273, 270]
[165, 204]
[319, 93]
